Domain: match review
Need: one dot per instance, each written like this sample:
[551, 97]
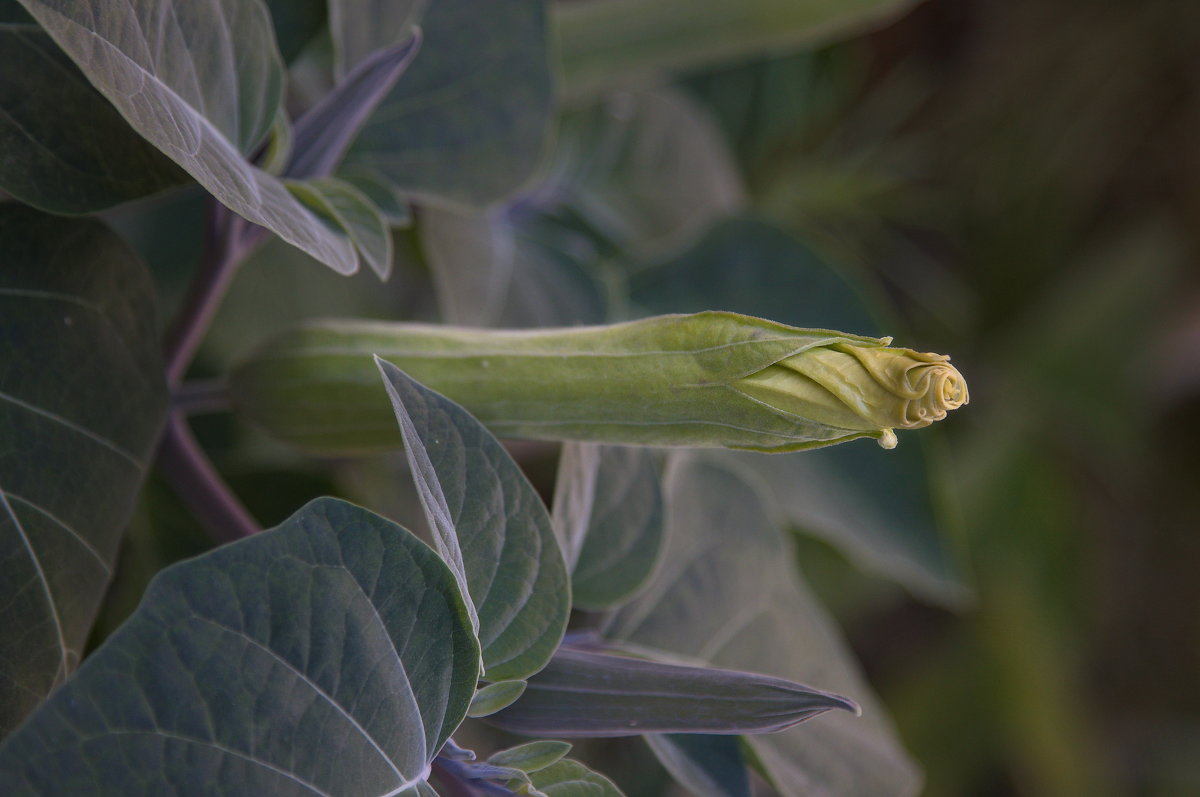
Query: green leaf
[63, 147]
[82, 400]
[360, 27]
[489, 524]
[607, 43]
[489, 273]
[707, 766]
[350, 210]
[876, 506]
[296, 22]
[493, 697]
[569, 778]
[732, 597]
[608, 514]
[331, 655]
[531, 756]
[586, 693]
[202, 82]
[467, 123]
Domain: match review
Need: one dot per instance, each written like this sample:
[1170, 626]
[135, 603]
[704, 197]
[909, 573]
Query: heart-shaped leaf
[202, 82]
[608, 513]
[63, 147]
[489, 525]
[82, 400]
[331, 655]
[731, 596]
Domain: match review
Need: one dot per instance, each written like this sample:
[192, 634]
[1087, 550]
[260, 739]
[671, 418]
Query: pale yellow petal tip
[887, 439]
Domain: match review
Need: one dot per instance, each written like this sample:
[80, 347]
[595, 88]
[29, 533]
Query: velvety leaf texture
[569, 778]
[330, 656]
[202, 82]
[467, 123]
[490, 525]
[82, 399]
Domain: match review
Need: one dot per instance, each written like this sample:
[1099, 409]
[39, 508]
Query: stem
[197, 482]
[449, 784]
[200, 397]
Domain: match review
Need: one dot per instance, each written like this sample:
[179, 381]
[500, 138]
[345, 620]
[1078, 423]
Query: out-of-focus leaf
[493, 697]
[353, 212]
[489, 524]
[531, 756]
[467, 123]
[608, 515]
[63, 147]
[876, 506]
[82, 400]
[594, 694]
[202, 82]
[647, 170]
[296, 22]
[731, 596]
[569, 778]
[325, 131]
[488, 273]
[331, 655]
[607, 43]
[361, 27]
[707, 766]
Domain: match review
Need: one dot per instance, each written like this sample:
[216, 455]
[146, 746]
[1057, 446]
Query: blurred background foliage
[1015, 183]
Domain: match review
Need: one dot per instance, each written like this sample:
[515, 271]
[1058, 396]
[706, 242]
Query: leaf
[63, 147]
[489, 524]
[608, 513]
[361, 27]
[351, 211]
[876, 506]
[707, 766]
[331, 655]
[296, 23]
[493, 697]
[488, 273]
[569, 778]
[466, 125]
[607, 43]
[730, 595]
[531, 756]
[82, 401]
[202, 83]
[593, 694]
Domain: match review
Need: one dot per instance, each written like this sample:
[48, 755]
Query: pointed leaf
[361, 27]
[331, 655]
[489, 522]
[353, 212]
[587, 693]
[707, 766]
[467, 123]
[202, 82]
[493, 697]
[531, 756]
[569, 778]
[608, 512]
[82, 400]
[731, 596]
[63, 147]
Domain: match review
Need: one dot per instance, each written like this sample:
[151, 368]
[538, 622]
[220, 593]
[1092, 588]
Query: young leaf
[493, 697]
[362, 27]
[531, 756]
[63, 147]
[467, 123]
[202, 82]
[569, 778]
[587, 693]
[331, 655]
[82, 400]
[707, 766]
[608, 513]
[350, 210]
[489, 524]
[732, 597]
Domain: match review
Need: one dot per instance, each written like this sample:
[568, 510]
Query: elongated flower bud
[709, 379]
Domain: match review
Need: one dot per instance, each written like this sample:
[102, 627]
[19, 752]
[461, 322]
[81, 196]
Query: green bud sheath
[709, 379]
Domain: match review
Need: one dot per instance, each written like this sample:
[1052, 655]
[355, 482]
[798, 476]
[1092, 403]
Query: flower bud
[708, 379]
